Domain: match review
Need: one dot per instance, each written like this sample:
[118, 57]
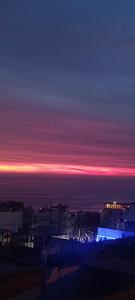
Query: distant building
[71, 224]
[59, 216]
[56, 216]
[28, 217]
[130, 218]
[43, 216]
[11, 216]
[114, 214]
[50, 221]
[87, 219]
[11, 206]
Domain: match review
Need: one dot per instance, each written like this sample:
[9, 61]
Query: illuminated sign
[114, 205]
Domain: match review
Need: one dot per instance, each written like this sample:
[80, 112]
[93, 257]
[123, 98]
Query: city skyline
[67, 87]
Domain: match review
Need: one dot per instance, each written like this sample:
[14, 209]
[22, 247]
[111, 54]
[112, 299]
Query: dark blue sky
[67, 81]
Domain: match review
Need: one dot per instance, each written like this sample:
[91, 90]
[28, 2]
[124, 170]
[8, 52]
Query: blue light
[103, 238]
[112, 234]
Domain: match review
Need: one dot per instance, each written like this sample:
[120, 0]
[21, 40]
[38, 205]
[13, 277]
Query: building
[59, 216]
[50, 221]
[11, 206]
[11, 216]
[87, 219]
[118, 216]
[56, 216]
[28, 217]
[71, 224]
[43, 216]
[130, 218]
[114, 215]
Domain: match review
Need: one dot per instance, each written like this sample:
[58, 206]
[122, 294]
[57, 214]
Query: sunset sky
[67, 86]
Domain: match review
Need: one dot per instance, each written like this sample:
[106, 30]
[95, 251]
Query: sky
[67, 87]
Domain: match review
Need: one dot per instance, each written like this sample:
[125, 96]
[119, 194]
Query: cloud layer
[67, 77]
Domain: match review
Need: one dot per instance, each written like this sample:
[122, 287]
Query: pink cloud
[46, 140]
[65, 169]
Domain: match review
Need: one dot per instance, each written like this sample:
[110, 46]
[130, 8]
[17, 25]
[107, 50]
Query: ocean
[78, 192]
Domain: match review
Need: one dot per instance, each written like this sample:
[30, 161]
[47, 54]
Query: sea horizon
[78, 192]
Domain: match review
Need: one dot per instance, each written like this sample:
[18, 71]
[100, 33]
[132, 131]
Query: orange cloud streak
[65, 169]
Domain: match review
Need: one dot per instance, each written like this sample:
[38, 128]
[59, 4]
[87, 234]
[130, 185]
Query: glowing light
[112, 234]
[65, 169]
[103, 238]
[84, 237]
[114, 205]
[63, 237]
